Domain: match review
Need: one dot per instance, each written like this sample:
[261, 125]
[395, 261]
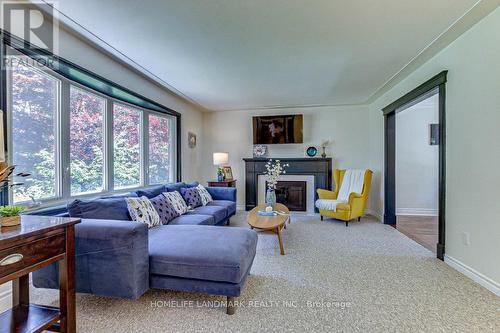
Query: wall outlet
[466, 238]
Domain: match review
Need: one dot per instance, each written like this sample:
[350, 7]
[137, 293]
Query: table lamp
[219, 160]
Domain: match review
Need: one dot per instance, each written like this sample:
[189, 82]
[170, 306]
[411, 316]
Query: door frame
[438, 82]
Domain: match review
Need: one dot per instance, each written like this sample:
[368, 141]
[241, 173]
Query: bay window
[75, 141]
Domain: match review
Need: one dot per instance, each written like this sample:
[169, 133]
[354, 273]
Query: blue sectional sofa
[118, 257]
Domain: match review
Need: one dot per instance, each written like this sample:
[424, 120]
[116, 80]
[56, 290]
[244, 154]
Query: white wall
[417, 162]
[78, 51]
[231, 131]
[473, 156]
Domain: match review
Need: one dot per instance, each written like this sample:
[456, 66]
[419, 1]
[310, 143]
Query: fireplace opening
[292, 194]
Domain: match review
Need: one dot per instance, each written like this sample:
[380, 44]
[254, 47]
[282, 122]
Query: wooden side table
[271, 223]
[39, 241]
[224, 183]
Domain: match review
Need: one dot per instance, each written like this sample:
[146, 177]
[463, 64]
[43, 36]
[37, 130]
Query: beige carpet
[367, 277]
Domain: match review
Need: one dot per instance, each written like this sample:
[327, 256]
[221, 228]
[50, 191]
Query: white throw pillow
[142, 210]
[205, 196]
[175, 198]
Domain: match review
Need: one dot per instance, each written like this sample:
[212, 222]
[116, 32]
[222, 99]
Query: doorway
[425, 225]
[417, 166]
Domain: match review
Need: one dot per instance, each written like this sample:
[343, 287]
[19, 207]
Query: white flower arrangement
[273, 172]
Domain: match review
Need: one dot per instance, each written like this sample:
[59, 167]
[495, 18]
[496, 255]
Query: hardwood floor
[422, 229]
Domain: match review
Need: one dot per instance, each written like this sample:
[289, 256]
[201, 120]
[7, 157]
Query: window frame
[173, 128]
[67, 141]
[57, 125]
[62, 127]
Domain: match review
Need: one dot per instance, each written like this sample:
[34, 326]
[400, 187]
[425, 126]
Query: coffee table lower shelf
[29, 318]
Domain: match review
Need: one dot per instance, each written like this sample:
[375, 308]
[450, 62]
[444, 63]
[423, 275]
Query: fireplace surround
[319, 168]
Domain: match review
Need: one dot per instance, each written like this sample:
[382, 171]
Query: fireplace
[292, 194]
[316, 172]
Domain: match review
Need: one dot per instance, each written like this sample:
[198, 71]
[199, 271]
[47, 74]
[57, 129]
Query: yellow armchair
[355, 207]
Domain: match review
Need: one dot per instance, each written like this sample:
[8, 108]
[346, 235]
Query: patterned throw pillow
[205, 196]
[142, 210]
[177, 202]
[191, 196]
[164, 208]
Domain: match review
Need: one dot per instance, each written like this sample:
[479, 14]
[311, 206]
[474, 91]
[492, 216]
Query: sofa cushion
[202, 252]
[176, 200]
[151, 192]
[175, 186]
[204, 195]
[191, 196]
[219, 213]
[229, 205]
[101, 208]
[164, 208]
[193, 220]
[142, 210]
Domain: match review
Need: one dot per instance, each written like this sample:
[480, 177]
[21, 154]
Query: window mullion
[63, 159]
[108, 147]
[145, 149]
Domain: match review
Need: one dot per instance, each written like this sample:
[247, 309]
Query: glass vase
[271, 198]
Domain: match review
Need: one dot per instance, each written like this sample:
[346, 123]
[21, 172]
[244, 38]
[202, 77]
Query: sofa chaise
[118, 257]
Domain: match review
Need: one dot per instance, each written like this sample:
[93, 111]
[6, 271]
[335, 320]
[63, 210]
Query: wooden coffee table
[271, 223]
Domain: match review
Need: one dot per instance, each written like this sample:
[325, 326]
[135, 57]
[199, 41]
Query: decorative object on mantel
[259, 150]
[219, 160]
[273, 171]
[311, 151]
[191, 140]
[324, 144]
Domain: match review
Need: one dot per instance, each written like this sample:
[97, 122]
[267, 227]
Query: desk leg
[21, 290]
[67, 284]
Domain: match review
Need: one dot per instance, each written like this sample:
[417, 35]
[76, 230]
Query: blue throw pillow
[175, 186]
[164, 208]
[151, 192]
[101, 208]
[191, 196]
[193, 184]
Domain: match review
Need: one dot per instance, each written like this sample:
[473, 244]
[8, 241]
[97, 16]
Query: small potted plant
[9, 215]
[220, 174]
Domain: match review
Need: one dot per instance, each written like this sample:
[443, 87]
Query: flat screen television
[277, 129]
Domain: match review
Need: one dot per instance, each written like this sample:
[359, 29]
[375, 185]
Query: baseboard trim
[474, 275]
[417, 211]
[375, 214]
[240, 207]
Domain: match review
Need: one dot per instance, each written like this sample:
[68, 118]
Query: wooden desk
[224, 183]
[39, 241]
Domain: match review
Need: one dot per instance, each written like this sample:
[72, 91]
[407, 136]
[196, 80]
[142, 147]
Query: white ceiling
[246, 54]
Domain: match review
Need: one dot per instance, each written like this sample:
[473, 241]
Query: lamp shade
[221, 158]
